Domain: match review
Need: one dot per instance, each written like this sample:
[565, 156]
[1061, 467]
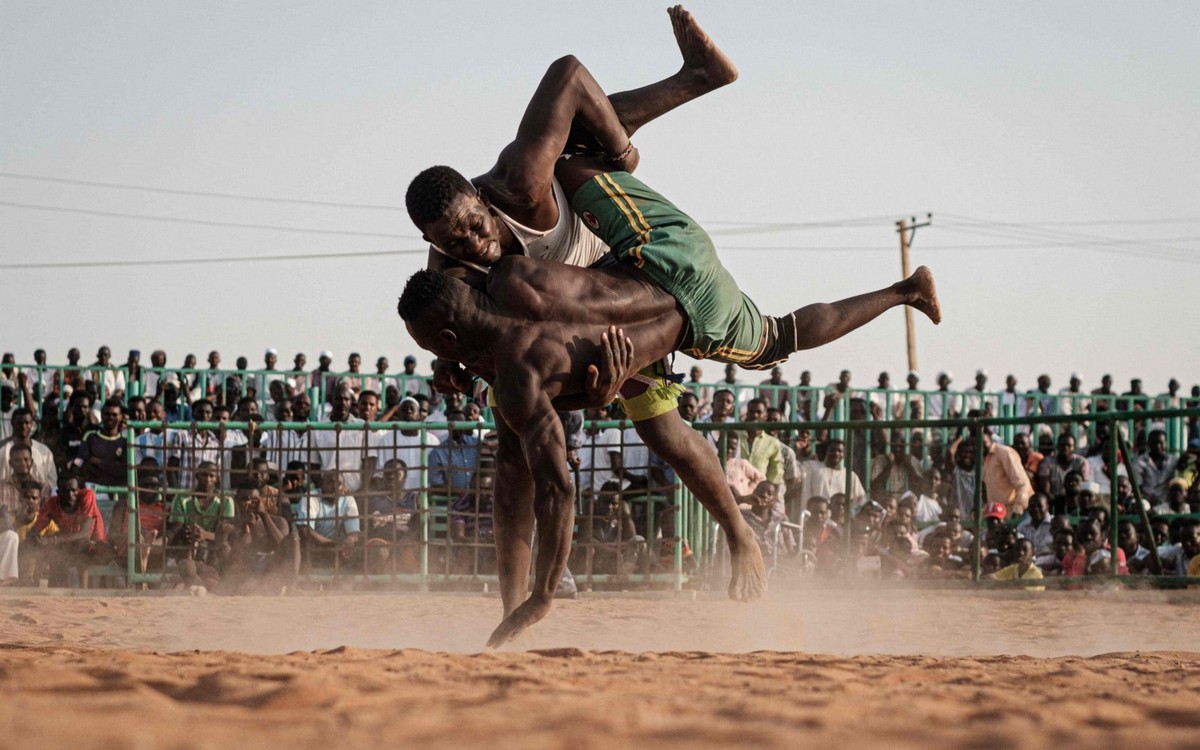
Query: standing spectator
[762, 450]
[378, 382]
[343, 449]
[1133, 399]
[895, 471]
[187, 449]
[828, 478]
[722, 411]
[1155, 467]
[740, 474]
[270, 374]
[42, 381]
[977, 397]
[152, 442]
[110, 379]
[43, 468]
[298, 374]
[368, 406]
[879, 400]
[776, 392]
[323, 377]
[411, 446]
[731, 383]
[1072, 399]
[962, 478]
[940, 404]
[73, 375]
[1012, 403]
[77, 420]
[912, 404]
[1045, 403]
[1036, 528]
[1170, 399]
[354, 377]
[152, 379]
[1004, 477]
[1031, 460]
[1053, 469]
[213, 381]
[132, 372]
[703, 393]
[806, 398]
[102, 456]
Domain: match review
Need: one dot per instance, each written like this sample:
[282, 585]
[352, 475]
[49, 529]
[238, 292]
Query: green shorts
[647, 230]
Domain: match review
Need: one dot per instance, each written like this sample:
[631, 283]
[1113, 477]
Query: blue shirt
[456, 459]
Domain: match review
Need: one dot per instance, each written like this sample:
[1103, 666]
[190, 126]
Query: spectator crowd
[224, 502]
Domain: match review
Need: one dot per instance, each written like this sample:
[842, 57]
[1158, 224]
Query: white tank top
[569, 241]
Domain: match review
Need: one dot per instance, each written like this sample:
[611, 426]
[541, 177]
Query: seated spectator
[763, 516]
[1064, 549]
[1021, 565]
[1089, 497]
[1156, 467]
[1177, 558]
[994, 515]
[610, 535]
[261, 554]
[1037, 527]
[102, 452]
[342, 450]
[471, 528]
[1053, 469]
[22, 524]
[1067, 502]
[80, 540]
[1096, 553]
[1129, 541]
[896, 471]
[328, 521]
[152, 520]
[43, 468]
[392, 531]
[1174, 500]
[962, 478]
[951, 525]
[200, 524]
[898, 553]
[943, 559]
[819, 528]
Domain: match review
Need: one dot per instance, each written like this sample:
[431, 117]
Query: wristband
[621, 156]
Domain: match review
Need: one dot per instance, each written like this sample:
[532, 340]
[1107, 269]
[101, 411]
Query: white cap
[946, 374]
[914, 374]
[273, 352]
[981, 373]
[1076, 376]
[327, 354]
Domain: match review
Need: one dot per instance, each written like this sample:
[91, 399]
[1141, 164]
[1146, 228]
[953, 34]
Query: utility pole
[907, 229]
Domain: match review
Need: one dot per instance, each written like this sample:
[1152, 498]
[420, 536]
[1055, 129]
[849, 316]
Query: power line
[205, 261]
[203, 222]
[195, 193]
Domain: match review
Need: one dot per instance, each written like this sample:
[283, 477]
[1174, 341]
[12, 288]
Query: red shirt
[73, 522]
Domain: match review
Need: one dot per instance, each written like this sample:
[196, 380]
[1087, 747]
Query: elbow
[565, 68]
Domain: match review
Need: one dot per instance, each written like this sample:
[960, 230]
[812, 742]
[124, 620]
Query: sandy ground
[861, 668]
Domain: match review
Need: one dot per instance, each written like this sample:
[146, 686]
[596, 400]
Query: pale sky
[1056, 144]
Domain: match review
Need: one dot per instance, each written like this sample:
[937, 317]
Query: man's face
[695, 374]
[137, 411]
[730, 373]
[456, 415]
[1071, 483]
[776, 375]
[732, 446]
[472, 411]
[202, 412]
[1021, 445]
[110, 418]
[32, 499]
[1124, 488]
[214, 359]
[22, 427]
[1010, 382]
[722, 405]
[20, 462]
[1066, 447]
[394, 476]
[1157, 445]
[803, 441]
[1044, 382]
[262, 472]
[1190, 539]
[368, 406]
[189, 361]
[410, 366]
[156, 412]
[885, 381]
[756, 412]
[844, 378]
[283, 411]
[158, 359]
[381, 365]
[764, 494]
[354, 362]
[204, 480]
[1038, 509]
[1162, 532]
[1127, 536]
[269, 360]
[343, 400]
[39, 357]
[943, 382]
[806, 378]
[980, 382]
[300, 361]
[73, 356]
[68, 494]
[301, 408]
[409, 411]
[687, 407]
[820, 513]
[467, 231]
[913, 382]
[103, 355]
[249, 501]
[834, 454]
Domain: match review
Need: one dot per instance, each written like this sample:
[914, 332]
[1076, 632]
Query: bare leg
[696, 464]
[512, 517]
[820, 323]
[705, 68]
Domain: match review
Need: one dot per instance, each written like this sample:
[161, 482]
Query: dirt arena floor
[894, 669]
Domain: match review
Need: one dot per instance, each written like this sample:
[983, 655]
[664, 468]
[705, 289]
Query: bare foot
[749, 579]
[702, 59]
[924, 293]
[510, 627]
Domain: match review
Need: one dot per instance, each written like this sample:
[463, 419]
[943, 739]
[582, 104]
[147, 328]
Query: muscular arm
[567, 91]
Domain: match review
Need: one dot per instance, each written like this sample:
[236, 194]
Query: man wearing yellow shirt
[1022, 567]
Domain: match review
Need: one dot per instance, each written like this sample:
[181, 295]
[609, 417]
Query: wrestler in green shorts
[672, 250]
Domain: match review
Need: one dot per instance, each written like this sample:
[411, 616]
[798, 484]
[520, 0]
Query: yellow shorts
[648, 394]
